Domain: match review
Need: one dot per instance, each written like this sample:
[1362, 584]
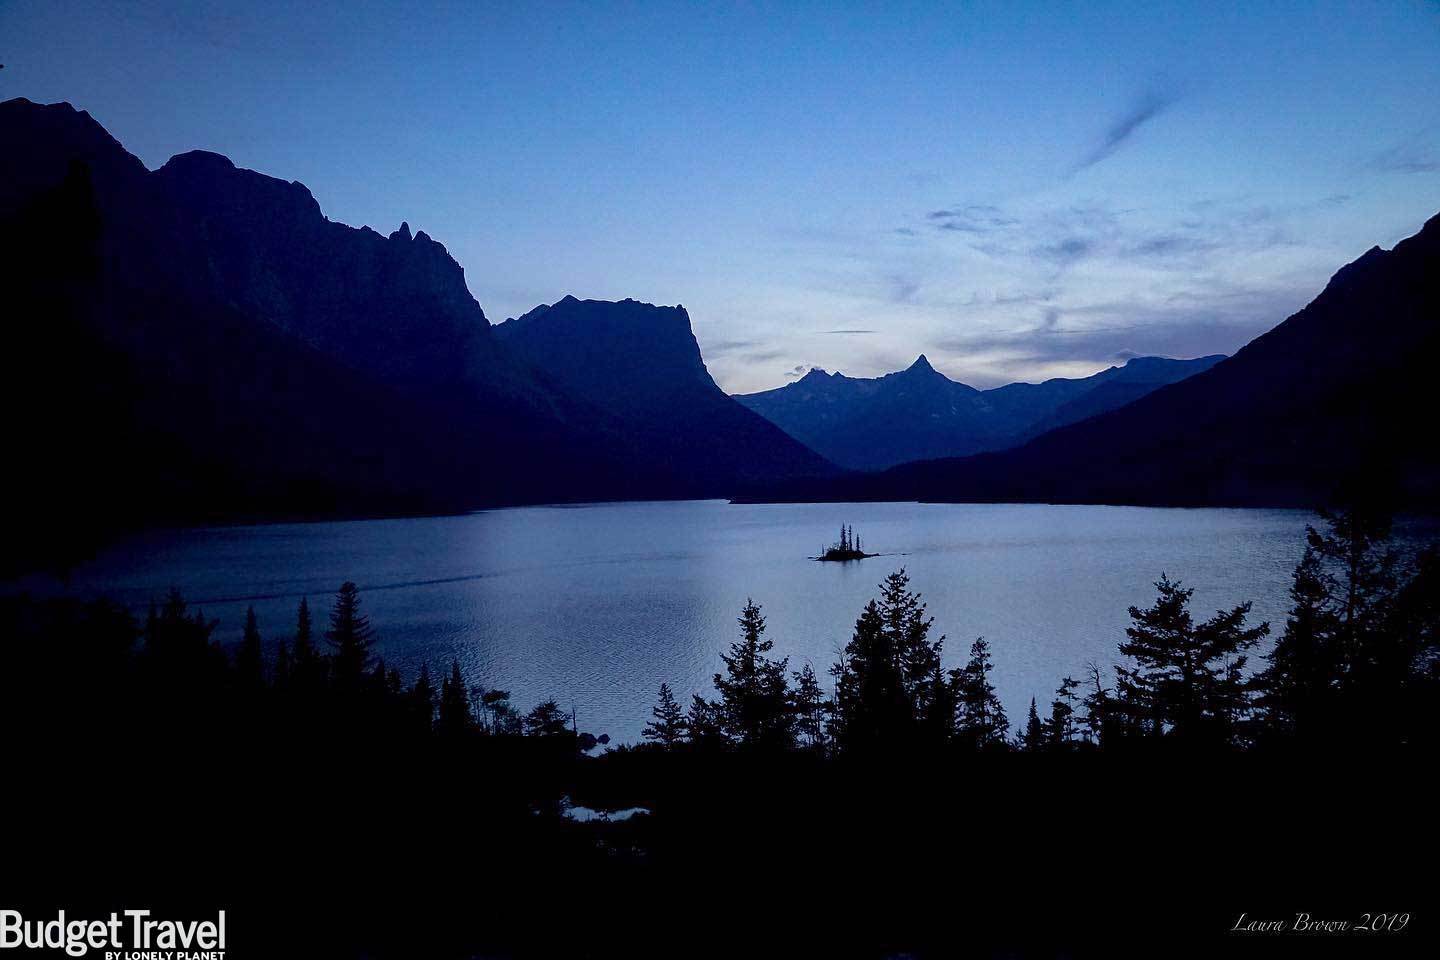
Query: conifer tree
[668, 727]
[250, 656]
[1033, 739]
[1338, 667]
[547, 720]
[454, 718]
[308, 669]
[808, 703]
[983, 723]
[705, 724]
[754, 696]
[351, 637]
[283, 665]
[422, 699]
[1060, 727]
[1096, 722]
[872, 708]
[1187, 678]
[908, 630]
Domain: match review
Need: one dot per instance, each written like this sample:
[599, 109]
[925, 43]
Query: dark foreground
[406, 855]
[1190, 807]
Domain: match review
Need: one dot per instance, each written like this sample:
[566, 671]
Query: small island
[846, 548]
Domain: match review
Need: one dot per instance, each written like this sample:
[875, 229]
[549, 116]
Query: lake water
[595, 605]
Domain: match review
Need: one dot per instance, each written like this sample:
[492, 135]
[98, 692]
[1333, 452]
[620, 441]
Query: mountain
[199, 343]
[640, 365]
[1334, 403]
[920, 414]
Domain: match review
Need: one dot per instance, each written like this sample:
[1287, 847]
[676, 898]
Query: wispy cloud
[845, 332]
[1414, 156]
[1149, 106]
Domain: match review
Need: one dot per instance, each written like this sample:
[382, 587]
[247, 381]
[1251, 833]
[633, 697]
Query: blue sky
[1016, 190]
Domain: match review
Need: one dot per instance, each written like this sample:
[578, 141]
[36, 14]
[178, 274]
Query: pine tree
[454, 720]
[908, 629]
[1097, 723]
[283, 666]
[1338, 668]
[351, 637]
[1187, 678]
[1060, 727]
[705, 724]
[250, 656]
[547, 720]
[422, 699]
[1033, 739]
[668, 729]
[309, 669]
[754, 696]
[808, 704]
[983, 723]
[872, 708]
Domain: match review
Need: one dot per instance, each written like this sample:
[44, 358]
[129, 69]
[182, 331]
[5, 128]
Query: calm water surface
[596, 605]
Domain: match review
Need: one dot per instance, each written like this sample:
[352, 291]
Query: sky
[1017, 190]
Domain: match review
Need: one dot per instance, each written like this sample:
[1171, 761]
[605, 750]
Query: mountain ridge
[870, 423]
[1318, 409]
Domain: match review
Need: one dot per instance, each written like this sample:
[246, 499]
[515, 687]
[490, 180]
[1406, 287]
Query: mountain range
[1335, 403]
[920, 414]
[199, 342]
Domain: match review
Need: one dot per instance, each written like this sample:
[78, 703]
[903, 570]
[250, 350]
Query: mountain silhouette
[199, 343]
[641, 366]
[1331, 404]
[920, 414]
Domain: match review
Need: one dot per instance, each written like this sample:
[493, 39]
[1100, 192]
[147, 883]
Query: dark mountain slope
[920, 414]
[640, 365]
[1335, 401]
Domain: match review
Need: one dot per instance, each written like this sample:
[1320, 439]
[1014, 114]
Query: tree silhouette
[983, 723]
[808, 703]
[351, 637]
[754, 696]
[668, 728]
[454, 718]
[1187, 678]
[547, 720]
[1033, 739]
[250, 656]
[872, 708]
[422, 699]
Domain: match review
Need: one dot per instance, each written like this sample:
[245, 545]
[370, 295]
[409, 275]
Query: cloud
[722, 347]
[1147, 108]
[1066, 251]
[1060, 341]
[845, 332]
[1414, 156]
[975, 218]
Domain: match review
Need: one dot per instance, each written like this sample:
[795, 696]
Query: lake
[595, 605]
